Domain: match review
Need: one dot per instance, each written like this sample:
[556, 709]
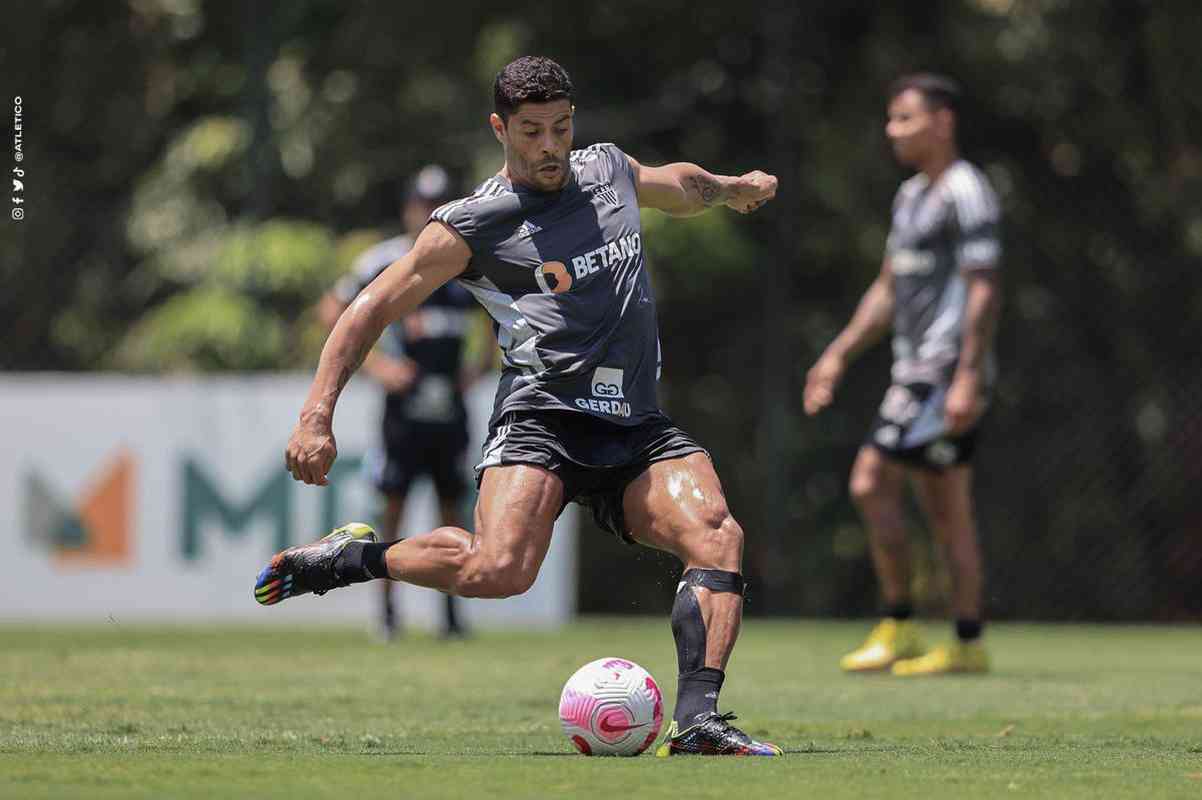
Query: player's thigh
[678, 505]
[515, 515]
[945, 497]
[875, 476]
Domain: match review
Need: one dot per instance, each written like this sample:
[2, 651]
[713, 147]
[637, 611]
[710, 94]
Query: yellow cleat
[958, 657]
[890, 641]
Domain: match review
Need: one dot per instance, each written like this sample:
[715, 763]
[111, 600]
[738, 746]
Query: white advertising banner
[159, 499]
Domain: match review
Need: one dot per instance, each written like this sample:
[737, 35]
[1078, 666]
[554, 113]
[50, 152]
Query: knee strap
[715, 580]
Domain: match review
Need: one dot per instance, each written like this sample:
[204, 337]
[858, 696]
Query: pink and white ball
[611, 707]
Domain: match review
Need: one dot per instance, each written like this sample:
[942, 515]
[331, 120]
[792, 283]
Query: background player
[938, 290]
[552, 247]
[418, 363]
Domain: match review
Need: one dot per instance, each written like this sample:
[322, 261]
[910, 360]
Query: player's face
[912, 128]
[538, 141]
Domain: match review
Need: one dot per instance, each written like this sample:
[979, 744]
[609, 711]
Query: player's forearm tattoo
[348, 369]
[707, 188]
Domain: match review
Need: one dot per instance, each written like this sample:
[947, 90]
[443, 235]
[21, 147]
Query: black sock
[968, 630]
[362, 561]
[373, 558]
[900, 611]
[697, 695]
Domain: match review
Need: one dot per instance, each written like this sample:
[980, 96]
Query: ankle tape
[688, 626]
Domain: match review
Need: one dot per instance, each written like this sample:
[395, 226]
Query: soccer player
[419, 366]
[938, 290]
[552, 248]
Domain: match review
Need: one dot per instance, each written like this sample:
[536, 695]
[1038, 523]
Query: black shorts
[413, 449]
[595, 459]
[910, 428]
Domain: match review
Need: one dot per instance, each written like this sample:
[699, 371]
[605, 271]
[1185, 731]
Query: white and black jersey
[939, 231]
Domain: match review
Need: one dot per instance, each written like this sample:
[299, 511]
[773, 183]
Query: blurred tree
[199, 170]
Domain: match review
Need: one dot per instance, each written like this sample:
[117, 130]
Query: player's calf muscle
[455, 561]
[433, 559]
[494, 578]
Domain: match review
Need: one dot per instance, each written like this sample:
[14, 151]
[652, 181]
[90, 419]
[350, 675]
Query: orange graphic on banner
[105, 512]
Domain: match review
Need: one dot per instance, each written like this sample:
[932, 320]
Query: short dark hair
[529, 79]
[938, 91]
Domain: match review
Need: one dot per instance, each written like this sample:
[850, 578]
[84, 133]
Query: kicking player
[552, 248]
[938, 290]
[419, 367]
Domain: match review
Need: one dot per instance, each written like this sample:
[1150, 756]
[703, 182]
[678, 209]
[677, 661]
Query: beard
[536, 174]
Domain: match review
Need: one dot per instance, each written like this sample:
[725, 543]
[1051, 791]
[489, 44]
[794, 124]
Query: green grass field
[120, 712]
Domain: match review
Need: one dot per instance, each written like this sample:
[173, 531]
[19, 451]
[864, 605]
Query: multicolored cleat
[713, 736]
[958, 657]
[308, 567]
[890, 641]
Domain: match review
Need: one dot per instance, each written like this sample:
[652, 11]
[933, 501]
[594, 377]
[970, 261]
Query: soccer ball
[611, 707]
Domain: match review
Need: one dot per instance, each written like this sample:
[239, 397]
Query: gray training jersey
[563, 276]
[938, 232]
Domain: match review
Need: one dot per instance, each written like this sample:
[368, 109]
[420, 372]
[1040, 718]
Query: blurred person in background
[938, 291]
[419, 363]
[552, 247]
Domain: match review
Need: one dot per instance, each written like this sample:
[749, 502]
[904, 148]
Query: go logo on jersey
[553, 277]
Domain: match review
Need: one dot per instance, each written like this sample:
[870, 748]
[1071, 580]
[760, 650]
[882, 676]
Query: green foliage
[691, 257]
[208, 144]
[174, 206]
[203, 329]
[244, 285]
[277, 260]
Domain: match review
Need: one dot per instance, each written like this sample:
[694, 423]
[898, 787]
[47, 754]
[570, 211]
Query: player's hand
[311, 452]
[751, 190]
[964, 403]
[821, 381]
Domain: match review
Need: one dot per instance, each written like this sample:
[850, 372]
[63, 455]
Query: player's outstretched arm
[870, 323]
[438, 255]
[684, 190]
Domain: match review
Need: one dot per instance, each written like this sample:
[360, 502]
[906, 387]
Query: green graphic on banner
[272, 500]
[202, 500]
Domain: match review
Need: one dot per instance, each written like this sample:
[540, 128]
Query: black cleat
[308, 567]
[713, 736]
